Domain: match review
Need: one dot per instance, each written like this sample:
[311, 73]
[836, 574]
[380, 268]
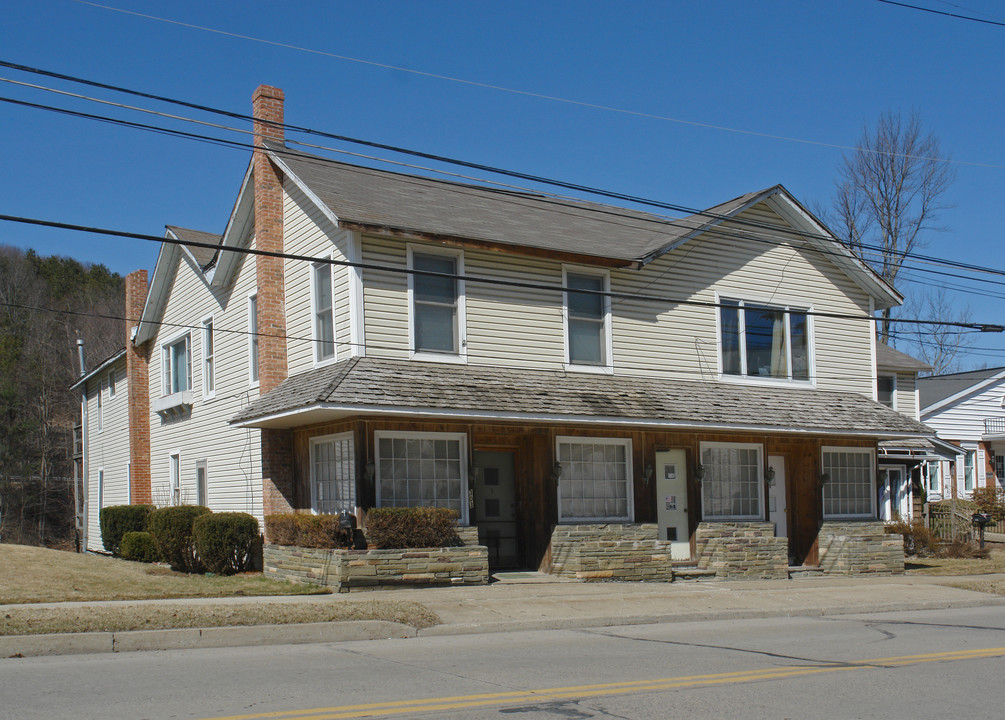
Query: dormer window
[886, 388]
[760, 341]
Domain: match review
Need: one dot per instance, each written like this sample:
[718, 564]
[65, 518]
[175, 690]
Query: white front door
[777, 507]
[671, 502]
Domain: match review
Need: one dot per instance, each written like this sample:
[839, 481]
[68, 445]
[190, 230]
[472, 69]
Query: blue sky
[812, 71]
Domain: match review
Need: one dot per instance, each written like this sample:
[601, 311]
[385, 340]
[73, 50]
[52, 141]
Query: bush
[117, 520]
[171, 528]
[991, 500]
[309, 531]
[959, 549]
[420, 527]
[139, 547]
[226, 542]
[917, 538]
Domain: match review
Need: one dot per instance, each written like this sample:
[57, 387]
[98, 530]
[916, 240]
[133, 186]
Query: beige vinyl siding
[107, 450]
[906, 399]
[523, 327]
[233, 455]
[310, 233]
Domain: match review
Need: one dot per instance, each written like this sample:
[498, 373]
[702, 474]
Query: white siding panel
[964, 419]
[107, 450]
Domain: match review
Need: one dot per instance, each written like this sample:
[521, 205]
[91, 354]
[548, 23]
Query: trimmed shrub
[309, 531]
[419, 527]
[226, 542]
[117, 520]
[918, 540]
[171, 528]
[139, 547]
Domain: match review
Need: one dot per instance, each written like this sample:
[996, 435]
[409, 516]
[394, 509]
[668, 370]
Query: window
[763, 341]
[886, 387]
[849, 490]
[324, 312]
[437, 304]
[934, 486]
[422, 470]
[587, 320]
[333, 474]
[968, 471]
[1000, 469]
[208, 359]
[111, 384]
[174, 469]
[176, 366]
[201, 483]
[101, 405]
[253, 339]
[731, 487]
[595, 483]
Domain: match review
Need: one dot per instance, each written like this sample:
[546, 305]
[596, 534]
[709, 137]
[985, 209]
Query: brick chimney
[278, 491]
[138, 385]
[267, 103]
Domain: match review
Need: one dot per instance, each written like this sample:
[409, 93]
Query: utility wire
[981, 327]
[937, 12]
[526, 93]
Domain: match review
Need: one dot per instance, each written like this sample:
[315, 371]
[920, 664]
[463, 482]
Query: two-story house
[967, 410]
[532, 362]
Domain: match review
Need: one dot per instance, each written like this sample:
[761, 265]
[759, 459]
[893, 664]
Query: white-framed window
[101, 406]
[732, 486]
[111, 384]
[587, 317]
[208, 359]
[763, 341]
[850, 485]
[422, 469]
[968, 470]
[333, 473]
[436, 305]
[202, 483]
[1000, 469]
[934, 486]
[596, 480]
[886, 390]
[323, 310]
[253, 339]
[176, 365]
[174, 474]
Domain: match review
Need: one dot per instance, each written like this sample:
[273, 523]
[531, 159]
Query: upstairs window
[886, 387]
[111, 384]
[176, 365]
[437, 304]
[588, 321]
[764, 341]
[208, 359]
[324, 313]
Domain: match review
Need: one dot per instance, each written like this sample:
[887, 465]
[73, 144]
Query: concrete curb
[253, 635]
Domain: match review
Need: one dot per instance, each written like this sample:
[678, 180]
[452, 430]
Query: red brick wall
[138, 384]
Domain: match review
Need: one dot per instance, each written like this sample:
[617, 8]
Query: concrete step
[805, 571]
[692, 573]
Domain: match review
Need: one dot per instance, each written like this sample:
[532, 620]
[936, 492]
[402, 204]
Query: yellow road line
[395, 707]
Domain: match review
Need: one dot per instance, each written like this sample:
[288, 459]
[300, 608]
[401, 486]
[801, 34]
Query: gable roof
[403, 387]
[892, 359]
[936, 391]
[384, 201]
[202, 256]
[99, 368]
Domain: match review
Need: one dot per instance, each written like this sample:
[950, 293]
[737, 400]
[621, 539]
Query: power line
[981, 327]
[526, 93]
[934, 12]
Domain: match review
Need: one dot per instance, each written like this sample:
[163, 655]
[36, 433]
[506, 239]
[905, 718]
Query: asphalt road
[923, 664]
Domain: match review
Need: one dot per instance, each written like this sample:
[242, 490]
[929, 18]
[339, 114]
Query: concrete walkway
[528, 601]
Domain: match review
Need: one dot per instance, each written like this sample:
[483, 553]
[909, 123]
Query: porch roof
[374, 386]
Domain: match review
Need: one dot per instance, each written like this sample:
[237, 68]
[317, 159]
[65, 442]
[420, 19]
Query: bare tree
[941, 343]
[890, 192]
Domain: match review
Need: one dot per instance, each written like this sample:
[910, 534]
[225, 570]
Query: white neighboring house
[967, 410]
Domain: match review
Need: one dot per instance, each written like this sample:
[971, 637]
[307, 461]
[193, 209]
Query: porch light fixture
[556, 471]
[699, 472]
[369, 471]
[647, 474]
[770, 476]
[825, 478]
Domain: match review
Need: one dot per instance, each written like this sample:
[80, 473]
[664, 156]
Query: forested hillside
[46, 303]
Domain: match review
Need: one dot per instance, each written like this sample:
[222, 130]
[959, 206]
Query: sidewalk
[528, 601]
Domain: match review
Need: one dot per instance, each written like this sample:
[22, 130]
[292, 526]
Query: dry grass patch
[33, 574]
[994, 563]
[30, 620]
[995, 587]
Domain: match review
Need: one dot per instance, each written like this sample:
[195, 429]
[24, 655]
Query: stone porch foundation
[610, 552]
[742, 550]
[858, 548]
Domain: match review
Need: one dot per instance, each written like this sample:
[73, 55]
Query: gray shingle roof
[892, 359]
[935, 388]
[203, 256]
[504, 392]
[425, 205]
